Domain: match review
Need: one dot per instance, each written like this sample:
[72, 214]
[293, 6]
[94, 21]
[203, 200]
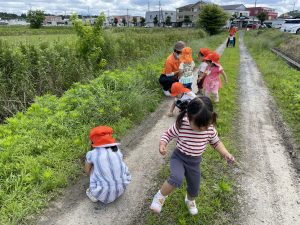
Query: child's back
[109, 176]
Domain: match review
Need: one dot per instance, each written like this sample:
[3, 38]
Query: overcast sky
[135, 7]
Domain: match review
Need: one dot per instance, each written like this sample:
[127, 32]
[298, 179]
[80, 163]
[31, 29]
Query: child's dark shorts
[182, 165]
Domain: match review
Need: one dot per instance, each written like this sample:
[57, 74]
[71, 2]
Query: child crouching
[109, 176]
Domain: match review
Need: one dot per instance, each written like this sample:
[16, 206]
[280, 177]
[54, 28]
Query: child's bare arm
[225, 76]
[224, 152]
[88, 168]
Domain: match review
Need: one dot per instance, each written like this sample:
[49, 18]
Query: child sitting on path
[212, 82]
[183, 97]
[186, 68]
[202, 68]
[109, 176]
[194, 129]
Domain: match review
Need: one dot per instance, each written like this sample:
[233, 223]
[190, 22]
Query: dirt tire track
[270, 185]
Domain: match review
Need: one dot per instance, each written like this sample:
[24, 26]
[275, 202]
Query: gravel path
[144, 162]
[270, 184]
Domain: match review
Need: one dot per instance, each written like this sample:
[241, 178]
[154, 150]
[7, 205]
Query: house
[53, 21]
[239, 15]
[189, 14]
[161, 16]
[271, 14]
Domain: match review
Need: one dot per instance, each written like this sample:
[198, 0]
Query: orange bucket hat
[101, 136]
[178, 88]
[204, 51]
[214, 57]
[186, 55]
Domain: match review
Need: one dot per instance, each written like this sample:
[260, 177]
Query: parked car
[252, 26]
[294, 30]
[289, 23]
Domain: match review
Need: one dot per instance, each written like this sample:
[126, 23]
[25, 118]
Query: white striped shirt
[191, 142]
[110, 176]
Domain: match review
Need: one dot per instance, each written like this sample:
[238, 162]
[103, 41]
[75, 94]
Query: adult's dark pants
[167, 81]
[228, 40]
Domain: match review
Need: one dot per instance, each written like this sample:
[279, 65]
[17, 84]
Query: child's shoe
[191, 206]
[157, 202]
[91, 197]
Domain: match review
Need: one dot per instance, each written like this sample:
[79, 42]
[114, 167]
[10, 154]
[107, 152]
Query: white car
[294, 30]
[289, 23]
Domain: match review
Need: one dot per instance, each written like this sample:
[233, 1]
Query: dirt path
[270, 184]
[144, 162]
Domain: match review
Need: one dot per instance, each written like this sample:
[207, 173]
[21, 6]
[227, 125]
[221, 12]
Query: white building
[161, 17]
[239, 12]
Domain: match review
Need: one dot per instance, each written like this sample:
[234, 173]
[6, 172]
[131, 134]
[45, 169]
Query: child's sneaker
[91, 197]
[157, 202]
[191, 206]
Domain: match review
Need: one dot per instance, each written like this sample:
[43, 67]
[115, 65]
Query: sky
[134, 7]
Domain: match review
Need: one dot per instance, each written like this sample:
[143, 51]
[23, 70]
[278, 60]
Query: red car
[252, 26]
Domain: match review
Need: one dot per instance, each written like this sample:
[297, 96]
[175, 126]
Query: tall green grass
[282, 80]
[34, 69]
[216, 202]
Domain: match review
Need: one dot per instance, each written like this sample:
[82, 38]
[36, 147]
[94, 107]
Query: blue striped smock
[110, 176]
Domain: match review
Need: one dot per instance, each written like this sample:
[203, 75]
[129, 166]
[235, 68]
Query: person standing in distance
[170, 72]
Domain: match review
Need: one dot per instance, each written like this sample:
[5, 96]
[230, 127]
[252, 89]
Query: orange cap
[101, 136]
[178, 88]
[214, 57]
[186, 55]
[204, 51]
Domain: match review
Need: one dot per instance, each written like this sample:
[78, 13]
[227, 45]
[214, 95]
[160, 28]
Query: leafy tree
[124, 21]
[187, 19]
[91, 40]
[212, 18]
[143, 20]
[155, 20]
[116, 21]
[134, 20]
[168, 20]
[35, 18]
[262, 17]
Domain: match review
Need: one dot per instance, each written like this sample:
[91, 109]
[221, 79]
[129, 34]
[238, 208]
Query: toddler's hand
[163, 149]
[230, 159]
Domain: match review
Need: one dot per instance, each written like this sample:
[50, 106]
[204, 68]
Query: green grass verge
[282, 80]
[41, 150]
[217, 201]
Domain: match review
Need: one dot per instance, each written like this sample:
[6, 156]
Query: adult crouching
[170, 72]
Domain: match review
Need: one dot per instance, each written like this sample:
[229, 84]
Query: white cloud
[135, 7]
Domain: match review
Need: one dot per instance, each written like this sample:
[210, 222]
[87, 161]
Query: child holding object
[186, 68]
[202, 68]
[194, 129]
[109, 176]
[182, 96]
[212, 82]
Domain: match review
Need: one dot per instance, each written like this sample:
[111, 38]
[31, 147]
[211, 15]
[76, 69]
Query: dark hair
[199, 111]
[113, 148]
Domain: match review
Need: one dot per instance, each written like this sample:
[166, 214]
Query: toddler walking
[186, 68]
[202, 68]
[109, 176]
[194, 129]
[212, 82]
[182, 96]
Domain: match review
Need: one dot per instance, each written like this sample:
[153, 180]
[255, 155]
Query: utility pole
[127, 18]
[108, 17]
[148, 6]
[254, 12]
